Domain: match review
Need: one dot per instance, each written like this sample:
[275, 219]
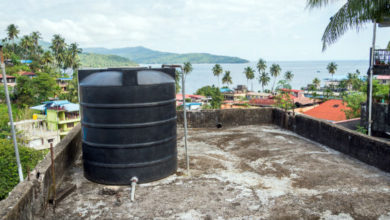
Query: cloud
[248, 28]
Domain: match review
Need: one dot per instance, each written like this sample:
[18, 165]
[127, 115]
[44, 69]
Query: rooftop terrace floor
[250, 172]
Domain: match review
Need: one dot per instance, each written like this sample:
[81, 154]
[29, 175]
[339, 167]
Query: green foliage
[361, 129]
[227, 79]
[353, 102]
[353, 14]
[214, 93]
[100, 60]
[284, 101]
[8, 168]
[380, 92]
[13, 70]
[178, 81]
[328, 93]
[283, 84]
[275, 70]
[72, 90]
[36, 90]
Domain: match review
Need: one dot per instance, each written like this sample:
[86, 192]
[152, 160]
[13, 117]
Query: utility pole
[370, 81]
[10, 115]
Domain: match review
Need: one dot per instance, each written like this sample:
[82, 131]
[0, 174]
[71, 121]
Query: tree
[264, 79]
[316, 82]
[275, 71]
[332, 67]
[214, 93]
[72, 59]
[249, 74]
[26, 44]
[12, 34]
[45, 87]
[261, 66]
[354, 101]
[283, 84]
[288, 76]
[58, 47]
[217, 70]
[25, 91]
[227, 79]
[352, 15]
[177, 81]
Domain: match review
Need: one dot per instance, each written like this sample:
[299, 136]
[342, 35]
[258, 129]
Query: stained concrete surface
[245, 172]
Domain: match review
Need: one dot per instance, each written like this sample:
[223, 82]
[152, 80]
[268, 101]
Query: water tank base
[122, 175]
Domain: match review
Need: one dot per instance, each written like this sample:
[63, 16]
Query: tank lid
[150, 77]
[107, 78]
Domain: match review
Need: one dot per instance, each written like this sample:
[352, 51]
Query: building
[27, 74]
[383, 79]
[331, 110]
[11, 80]
[63, 83]
[60, 115]
[257, 95]
[299, 97]
[35, 134]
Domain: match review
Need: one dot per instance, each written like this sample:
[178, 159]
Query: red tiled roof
[262, 101]
[291, 90]
[196, 96]
[329, 110]
[8, 76]
[26, 73]
[382, 77]
[180, 96]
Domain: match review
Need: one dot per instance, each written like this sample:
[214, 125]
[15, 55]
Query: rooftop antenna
[10, 115]
[184, 112]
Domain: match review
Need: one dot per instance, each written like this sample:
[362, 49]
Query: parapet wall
[27, 200]
[373, 151]
[226, 117]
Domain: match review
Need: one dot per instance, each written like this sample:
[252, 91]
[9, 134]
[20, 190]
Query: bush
[8, 168]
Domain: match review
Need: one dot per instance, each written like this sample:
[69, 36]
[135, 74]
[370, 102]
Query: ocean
[304, 73]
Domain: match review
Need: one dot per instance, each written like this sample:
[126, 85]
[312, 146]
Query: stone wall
[226, 117]
[28, 198]
[380, 118]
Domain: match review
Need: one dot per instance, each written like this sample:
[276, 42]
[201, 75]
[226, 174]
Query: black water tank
[128, 124]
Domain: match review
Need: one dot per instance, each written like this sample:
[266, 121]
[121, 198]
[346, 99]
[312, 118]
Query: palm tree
[332, 67]
[47, 58]
[352, 15]
[316, 82]
[275, 71]
[187, 68]
[217, 70]
[261, 65]
[288, 76]
[264, 79]
[26, 44]
[227, 79]
[58, 46]
[72, 58]
[12, 32]
[249, 74]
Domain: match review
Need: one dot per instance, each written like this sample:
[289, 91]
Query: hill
[103, 60]
[148, 56]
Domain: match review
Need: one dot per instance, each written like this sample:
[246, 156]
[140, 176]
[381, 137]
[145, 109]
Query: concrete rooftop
[250, 172]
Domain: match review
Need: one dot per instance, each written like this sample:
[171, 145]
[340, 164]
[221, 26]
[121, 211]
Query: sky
[282, 30]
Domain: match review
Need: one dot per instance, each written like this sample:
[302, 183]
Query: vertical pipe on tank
[185, 120]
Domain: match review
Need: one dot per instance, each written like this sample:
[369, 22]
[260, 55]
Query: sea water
[304, 73]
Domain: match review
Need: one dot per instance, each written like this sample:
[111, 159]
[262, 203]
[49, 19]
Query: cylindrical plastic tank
[128, 124]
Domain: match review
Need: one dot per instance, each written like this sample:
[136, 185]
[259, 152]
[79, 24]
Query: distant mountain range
[148, 56]
[103, 60]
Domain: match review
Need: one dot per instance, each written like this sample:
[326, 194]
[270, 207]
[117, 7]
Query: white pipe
[134, 181]
[370, 81]
[11, 121]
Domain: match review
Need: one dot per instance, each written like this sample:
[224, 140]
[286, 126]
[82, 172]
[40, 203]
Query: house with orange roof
[331, 110]
[299, 97]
